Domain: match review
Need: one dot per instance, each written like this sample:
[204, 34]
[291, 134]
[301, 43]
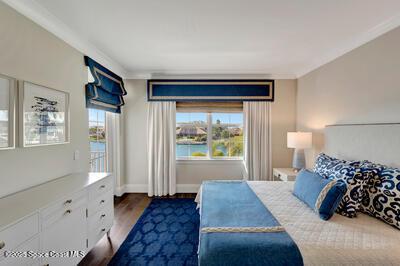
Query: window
[191, 135]
[97, 138]
[227, 135]
[209, 135]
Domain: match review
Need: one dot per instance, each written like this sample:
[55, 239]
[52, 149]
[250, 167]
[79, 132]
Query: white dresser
[58, 221]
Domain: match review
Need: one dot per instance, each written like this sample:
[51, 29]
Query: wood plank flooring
[128, 209]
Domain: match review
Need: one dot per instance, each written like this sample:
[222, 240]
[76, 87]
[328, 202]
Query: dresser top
[21, 204]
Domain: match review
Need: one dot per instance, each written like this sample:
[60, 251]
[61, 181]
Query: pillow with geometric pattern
[382, 197]
[337, 169]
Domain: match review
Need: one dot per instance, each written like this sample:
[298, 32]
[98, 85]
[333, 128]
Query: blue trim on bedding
[234, 204]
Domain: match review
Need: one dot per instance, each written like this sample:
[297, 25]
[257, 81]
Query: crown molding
[41, 16]
[352, 44]
[182, 75]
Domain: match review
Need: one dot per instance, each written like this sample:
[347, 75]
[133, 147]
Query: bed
[364, 240]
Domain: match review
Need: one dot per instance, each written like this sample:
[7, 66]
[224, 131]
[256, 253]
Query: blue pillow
[320, 194]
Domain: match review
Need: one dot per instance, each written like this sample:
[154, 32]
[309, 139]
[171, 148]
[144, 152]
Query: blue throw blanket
[228, 207]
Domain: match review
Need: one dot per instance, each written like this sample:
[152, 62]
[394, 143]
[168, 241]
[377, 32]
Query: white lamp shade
[299, 140]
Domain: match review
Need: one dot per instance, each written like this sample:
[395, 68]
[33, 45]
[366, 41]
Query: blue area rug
[167, 233]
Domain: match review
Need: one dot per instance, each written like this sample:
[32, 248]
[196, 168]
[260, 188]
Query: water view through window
[97, 138]
[192, 135]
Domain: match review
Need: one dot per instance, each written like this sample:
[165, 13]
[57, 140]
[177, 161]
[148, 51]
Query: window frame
[209, 156]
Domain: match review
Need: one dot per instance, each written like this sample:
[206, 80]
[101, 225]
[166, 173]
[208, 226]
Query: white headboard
[378, 143]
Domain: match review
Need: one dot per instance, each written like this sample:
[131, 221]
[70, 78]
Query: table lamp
[299, 141]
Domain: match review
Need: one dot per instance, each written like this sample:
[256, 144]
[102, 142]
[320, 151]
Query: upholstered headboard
[375, 142]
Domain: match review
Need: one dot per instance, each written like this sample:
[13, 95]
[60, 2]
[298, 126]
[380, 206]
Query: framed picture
[44, 115]
[8, 92]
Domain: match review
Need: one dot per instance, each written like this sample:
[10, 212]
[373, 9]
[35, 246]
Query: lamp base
[299, 159]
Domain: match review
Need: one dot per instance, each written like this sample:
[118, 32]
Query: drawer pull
[68, 201]
[102, 201]
[102, 216]
[67, 212]
[102, 186]
[2, 244]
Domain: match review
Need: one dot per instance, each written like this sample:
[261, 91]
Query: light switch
[76, 155]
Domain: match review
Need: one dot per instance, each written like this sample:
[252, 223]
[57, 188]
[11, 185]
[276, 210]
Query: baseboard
[135, 188]
[142, 188]
[119, 191]
[187, 188]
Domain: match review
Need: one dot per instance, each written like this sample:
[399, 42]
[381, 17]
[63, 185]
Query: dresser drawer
[62, 212]
[101, 218]
[25, 252]
[64, 204]
[100, 202]
[100, 187]
[19, 233]
[97, 233]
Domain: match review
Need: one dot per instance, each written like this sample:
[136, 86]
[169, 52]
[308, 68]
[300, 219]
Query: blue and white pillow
[382, 194]
[321, 194]
[350, 174]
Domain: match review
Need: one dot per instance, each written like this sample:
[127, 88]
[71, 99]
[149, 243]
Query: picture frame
[8, 96]
[43, 115]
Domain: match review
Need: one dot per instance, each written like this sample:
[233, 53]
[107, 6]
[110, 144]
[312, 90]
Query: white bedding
[340, 241]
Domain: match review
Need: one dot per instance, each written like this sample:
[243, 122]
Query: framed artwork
[8, 89]
[44, 115]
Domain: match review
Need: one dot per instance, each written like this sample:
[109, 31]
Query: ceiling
[281, 38]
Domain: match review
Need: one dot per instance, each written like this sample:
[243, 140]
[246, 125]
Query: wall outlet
[76, 155]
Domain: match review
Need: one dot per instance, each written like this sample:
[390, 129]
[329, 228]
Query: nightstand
[284, 174]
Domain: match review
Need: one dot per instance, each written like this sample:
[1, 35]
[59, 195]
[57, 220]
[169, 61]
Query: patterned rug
[167, 233]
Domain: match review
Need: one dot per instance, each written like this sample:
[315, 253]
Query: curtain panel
[107, 89]
[257, 140]
[161, 123]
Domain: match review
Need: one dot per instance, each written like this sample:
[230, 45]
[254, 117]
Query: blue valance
[106, 91]
[210, 90]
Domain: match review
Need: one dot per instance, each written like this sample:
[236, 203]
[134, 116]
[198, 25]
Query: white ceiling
[281, 38]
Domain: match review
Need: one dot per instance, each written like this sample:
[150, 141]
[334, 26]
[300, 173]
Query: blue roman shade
[106, 91]
[210, 90]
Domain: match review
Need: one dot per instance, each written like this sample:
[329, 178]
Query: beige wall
[191, 173]
[28, 52]
[283, 120]
[360, 87]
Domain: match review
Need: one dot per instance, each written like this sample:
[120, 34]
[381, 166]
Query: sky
[3, 115]
[235, 118]
[96, 115]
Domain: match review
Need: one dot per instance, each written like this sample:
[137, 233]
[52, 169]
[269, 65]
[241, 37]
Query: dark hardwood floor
[128, 209]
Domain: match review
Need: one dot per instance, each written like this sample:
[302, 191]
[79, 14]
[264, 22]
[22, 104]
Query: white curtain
[257, 140]
[161, 128]
[114, 149]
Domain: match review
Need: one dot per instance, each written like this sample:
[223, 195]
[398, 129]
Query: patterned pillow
[382, 197]
[370, 172]
[337, 169]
